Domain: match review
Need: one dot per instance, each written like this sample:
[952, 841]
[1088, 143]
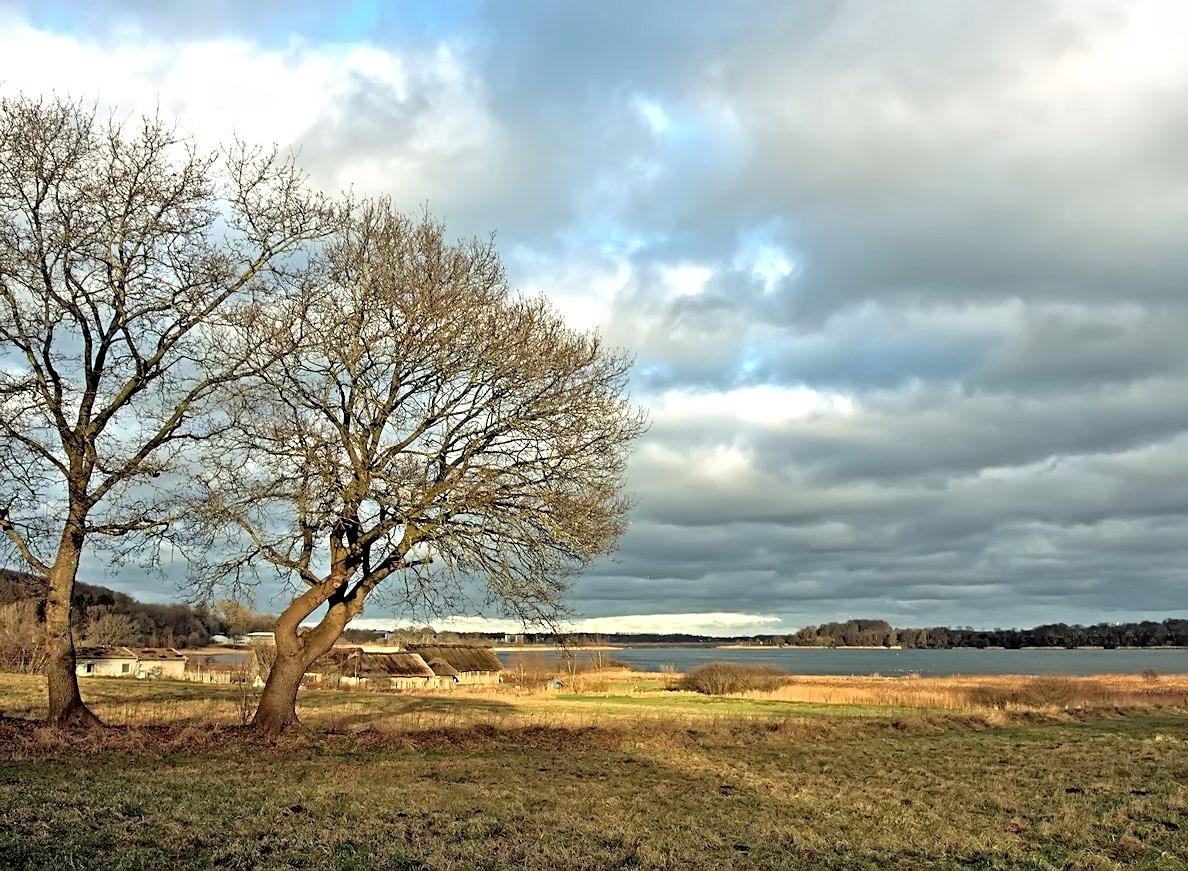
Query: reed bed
[1003, 692]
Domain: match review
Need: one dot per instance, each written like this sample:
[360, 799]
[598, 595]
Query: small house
[160, 662]
[446, 673]
[472, 664]
[353, 666]
[105, 662]
[128, 662]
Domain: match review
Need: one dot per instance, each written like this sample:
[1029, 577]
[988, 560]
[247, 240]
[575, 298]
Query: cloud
[714, 623]
[905, 284]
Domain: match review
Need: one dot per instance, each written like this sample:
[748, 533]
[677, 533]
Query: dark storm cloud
[961, 224]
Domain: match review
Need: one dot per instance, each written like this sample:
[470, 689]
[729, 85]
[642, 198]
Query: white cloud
[705, 623]
[583, 291]
[1141, 50]
[912, 187]
[653, 114]
[687, 279]
[764, 404]
[219, 88]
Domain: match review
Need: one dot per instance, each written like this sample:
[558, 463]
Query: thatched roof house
[388, 665]
[354, 666]
[418, 666]
[441, 668]
[472, 663]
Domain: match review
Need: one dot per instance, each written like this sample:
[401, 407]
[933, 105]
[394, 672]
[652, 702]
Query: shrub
[722, 678]
[1041, 692]
[530, 670]
[669, 670]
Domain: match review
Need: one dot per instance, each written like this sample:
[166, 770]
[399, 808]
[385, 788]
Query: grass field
[633, 777]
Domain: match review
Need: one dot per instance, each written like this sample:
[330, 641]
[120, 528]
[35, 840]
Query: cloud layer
[905, 282]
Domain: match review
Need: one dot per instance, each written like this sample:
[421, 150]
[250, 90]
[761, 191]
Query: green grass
[718, 788]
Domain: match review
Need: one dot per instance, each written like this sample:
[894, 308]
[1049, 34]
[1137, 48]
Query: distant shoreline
[555, 648]
[660, 645]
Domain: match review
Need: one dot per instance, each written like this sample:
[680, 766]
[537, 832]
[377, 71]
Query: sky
[905, 282]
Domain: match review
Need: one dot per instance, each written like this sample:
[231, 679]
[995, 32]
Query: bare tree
[240, 617]
[126, 254]
[109, 628]
[428, 428]
[22, 641]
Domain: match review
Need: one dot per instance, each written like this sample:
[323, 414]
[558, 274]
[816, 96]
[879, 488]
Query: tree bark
[66, 707]
[277, 710]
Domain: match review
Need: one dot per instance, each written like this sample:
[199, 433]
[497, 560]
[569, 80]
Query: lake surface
[843, 661]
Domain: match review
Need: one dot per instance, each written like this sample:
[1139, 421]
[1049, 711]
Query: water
[850, 661]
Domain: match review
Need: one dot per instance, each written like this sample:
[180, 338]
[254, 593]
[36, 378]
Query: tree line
[879, 633]
[204, 360]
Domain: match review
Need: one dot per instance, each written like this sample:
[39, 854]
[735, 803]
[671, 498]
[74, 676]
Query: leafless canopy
[125, 252]
[127, 258]
[428, 428]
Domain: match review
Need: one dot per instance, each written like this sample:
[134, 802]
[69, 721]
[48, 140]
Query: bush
[1041, 692]
[723, 678]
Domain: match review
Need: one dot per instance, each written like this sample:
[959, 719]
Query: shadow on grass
[129, 702]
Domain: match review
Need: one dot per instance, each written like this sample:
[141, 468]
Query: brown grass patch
[930, 790]
[1001, 692]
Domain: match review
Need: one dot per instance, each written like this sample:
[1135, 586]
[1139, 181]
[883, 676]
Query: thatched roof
[394, 665]
[462, 657]
[333, 660]
[441, 668]
[353, 661]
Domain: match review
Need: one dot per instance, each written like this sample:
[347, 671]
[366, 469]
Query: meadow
[616, 771]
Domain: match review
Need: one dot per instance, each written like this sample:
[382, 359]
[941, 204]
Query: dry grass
[501, 778]
[596, 697]
[583, 672]
[932, 791]
[1002, 692]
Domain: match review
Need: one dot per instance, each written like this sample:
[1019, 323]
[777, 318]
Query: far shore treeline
[99, 609]
[1171, 632]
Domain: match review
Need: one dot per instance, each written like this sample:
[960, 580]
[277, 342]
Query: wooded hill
[140, 624]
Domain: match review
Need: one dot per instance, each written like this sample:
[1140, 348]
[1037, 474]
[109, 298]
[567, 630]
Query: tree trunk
[66, 707]
[294, 654]
[278, 703]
